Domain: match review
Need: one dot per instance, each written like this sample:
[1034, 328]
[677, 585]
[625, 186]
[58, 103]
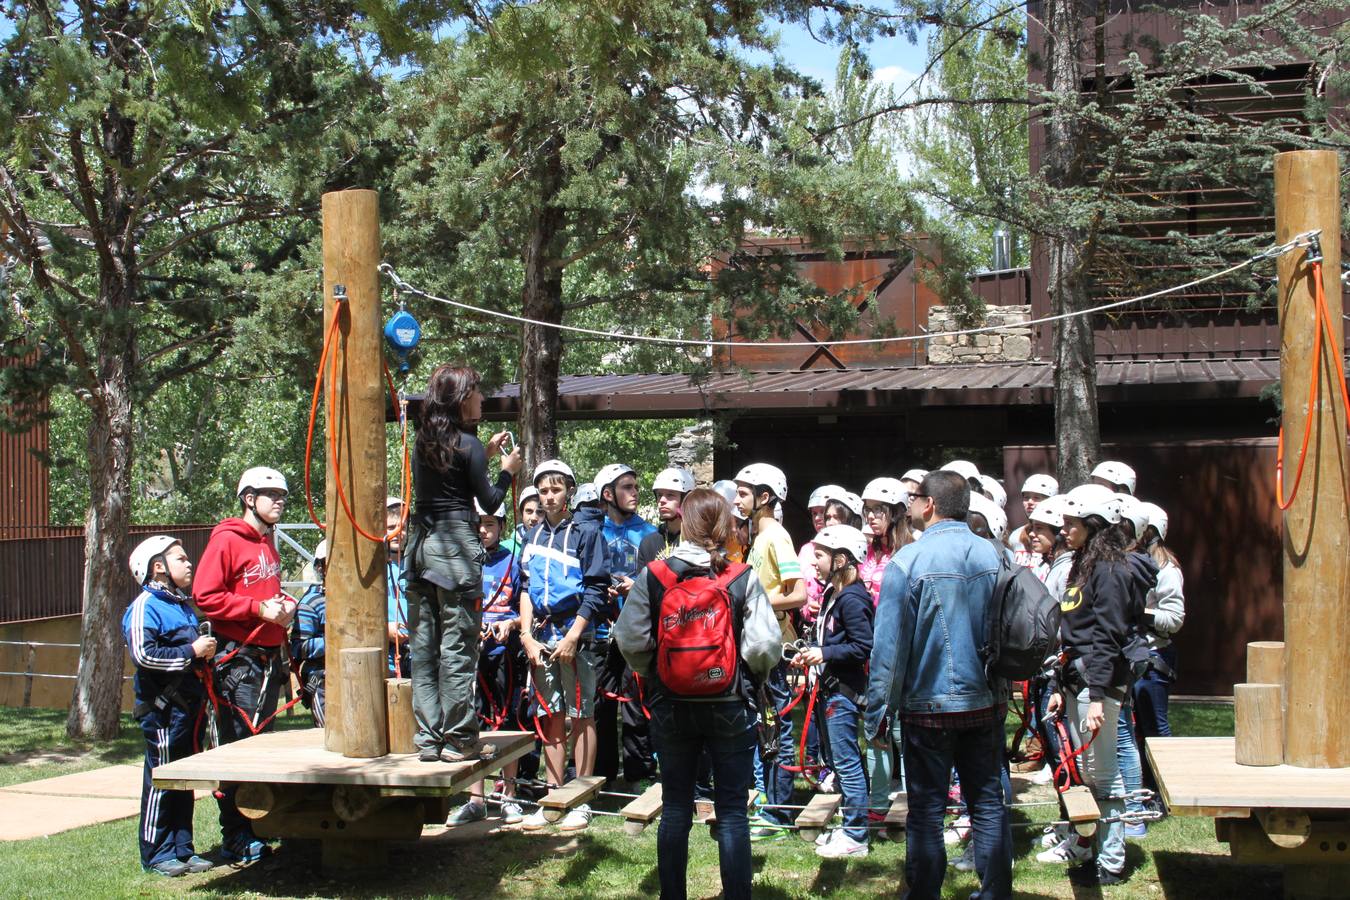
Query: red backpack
[696, 635]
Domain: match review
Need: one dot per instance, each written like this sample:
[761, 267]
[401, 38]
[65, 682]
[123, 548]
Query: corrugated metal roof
[1031, 383]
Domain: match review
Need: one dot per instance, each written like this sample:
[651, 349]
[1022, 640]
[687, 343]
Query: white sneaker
[578, 819]
[841, 845]
[824, 838]
[956, 832]
[893, 794]
[966, 861]
[1054, 835]
[827, 783]
[535, 821]
[1044, 776]
[512, 814]
[1066, 851]
[473, 811]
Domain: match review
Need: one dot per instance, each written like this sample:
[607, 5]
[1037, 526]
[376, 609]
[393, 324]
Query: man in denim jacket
[927, 671]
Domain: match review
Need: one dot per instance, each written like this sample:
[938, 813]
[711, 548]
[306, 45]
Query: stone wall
[692, 448]
[1010, 345]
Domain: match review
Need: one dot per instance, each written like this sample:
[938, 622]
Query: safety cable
[1269, 253]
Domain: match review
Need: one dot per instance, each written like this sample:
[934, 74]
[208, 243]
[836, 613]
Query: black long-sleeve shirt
[450, 494]
[1101, 617]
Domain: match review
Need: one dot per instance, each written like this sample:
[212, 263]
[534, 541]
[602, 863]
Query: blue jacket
[307, 634]
[397, 610]
[622, 540]
[501, 583]
[844, 633]
[566, 573]
[159, 628]
[930, 626]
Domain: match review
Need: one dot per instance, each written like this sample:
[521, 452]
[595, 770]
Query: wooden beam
[1259, 725]
[1081, 809]
[1316, 524]
[711, 819]
[640, 813]
[353, 802]
[257, 799]
[1329, 844]
[897, 817]
[579, 790]
[820, 809]
[355, 390]
[400, 820]
[365, 729]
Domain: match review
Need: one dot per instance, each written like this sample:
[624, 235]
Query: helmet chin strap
[252, 517]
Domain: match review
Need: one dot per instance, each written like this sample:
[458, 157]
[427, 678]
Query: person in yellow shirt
[760, 489]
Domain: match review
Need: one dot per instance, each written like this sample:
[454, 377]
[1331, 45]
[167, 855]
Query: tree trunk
[542, 299]
[97, 700]
[1077, 432]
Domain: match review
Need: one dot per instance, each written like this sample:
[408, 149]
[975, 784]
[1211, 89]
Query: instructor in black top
[443, 564]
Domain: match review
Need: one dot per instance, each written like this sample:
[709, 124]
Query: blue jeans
[682, 731]
[841, 732]
[977, 754]
[1101, 772]
[1127, 753]
[880, 768]
[778, 780]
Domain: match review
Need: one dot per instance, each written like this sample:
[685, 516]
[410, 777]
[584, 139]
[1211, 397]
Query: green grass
[1179, 858]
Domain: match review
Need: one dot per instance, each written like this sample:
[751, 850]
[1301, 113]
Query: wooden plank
[298, 757]
[897, 817]
[820, 809]
[1080, 808]
[579, 790]
[711, 818]
[640, 813]
[1200, 777]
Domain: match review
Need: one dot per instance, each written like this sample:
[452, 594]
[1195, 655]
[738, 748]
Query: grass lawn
[1178, 859]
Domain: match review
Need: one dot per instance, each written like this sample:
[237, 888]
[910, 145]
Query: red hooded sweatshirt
[238, 570]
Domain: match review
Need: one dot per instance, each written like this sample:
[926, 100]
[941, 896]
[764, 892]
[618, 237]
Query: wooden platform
[1199, 777]
[298, 757]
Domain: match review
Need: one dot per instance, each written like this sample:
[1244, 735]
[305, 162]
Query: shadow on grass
[1186, 875]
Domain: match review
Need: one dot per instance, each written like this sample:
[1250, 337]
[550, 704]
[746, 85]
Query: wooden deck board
[1199, 777]
[298, 757]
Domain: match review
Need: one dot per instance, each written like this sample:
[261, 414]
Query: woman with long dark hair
[1102, 609]
[722, 726]
[444, 561]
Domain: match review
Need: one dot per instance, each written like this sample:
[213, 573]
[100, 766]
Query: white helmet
[843, 537]
[915, 475]
[1092, 500]
[1157, 517]
[530, 493]
[261, 478]
[553, 467]
[1116, 473]
[1132, 511]
[994, 515]
[393, 503]
[321, 551]
[727, 491]
[610, 474]
[993, 490]
[681, 481]
[146, 552]
[965, 468]
[886, 490]
[771, 477]
[1050, 511]
[850, 500]
[586, 493]
[499, 513]
[1044, 485]
[821, 495]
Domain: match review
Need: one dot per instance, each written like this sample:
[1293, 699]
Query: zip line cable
[1300, 240]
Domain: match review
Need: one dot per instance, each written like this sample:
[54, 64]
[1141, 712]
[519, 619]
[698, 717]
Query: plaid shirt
[957, 721]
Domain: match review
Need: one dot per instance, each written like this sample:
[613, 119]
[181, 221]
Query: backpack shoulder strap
[731, 573]
[663, 573]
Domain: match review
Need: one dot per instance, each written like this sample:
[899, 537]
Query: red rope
[1068, 766]
[802, 765]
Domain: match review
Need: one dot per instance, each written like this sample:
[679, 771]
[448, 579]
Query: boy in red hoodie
[238, 587]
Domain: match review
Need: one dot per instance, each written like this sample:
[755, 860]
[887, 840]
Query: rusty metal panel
[43, 577]
[24, 491]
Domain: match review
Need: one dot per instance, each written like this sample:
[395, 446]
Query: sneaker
[956, 832]
[841, 845]
[1137, 830]
[760, 800]
[249, 852]
[197, 864]
[1093, 875]
[824, 838]
[762, 829]
[1044, 776]
[1053, 836]
[169, 868]
[535, 821]
[577, 819]
[474, 750]
[429, 754]
[827, 783]
[966, 861]
[473, 811]
[1066, 851]
[512, 814]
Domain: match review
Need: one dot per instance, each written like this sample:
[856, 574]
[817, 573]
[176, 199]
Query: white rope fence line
[1300, 240]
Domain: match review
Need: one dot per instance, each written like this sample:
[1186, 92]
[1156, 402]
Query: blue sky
[895, 60]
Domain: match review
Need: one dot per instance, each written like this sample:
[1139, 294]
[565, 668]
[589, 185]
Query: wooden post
[355, 390]
[1265, 662]
[1317, 524]
[365, 732]
[1259, 720]
[402, 724]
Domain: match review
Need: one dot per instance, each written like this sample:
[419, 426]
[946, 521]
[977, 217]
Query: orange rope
[313, 411]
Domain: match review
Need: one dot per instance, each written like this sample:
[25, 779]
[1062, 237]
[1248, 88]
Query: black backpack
[1021, 625]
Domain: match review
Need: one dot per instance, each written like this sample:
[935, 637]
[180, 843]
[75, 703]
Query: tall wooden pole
[1317, 524]
[356, 398]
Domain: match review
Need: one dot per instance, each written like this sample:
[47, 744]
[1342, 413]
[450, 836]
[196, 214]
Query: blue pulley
[403, 334]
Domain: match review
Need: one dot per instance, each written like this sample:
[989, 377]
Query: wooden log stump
[1259, 729]
[366, 733]
[256, 799]
[1265, 662]
[1287, 828]
[402, 725]
[353, 802]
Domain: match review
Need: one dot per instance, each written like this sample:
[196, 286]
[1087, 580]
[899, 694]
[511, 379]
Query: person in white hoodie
[1165, 611]
[720, 723]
